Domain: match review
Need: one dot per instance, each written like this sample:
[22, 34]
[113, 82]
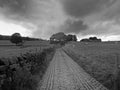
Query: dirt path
[64, 74]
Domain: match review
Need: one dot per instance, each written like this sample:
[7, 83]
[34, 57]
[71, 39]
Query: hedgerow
[25, 71]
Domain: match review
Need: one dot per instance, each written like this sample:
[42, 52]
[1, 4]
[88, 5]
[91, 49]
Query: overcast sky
[42, 18]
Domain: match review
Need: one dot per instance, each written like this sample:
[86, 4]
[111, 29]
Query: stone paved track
[65, 74]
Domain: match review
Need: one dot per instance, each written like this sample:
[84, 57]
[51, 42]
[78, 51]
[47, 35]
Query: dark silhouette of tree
[1, 37]
[62, 38]
[85, 40]
[16, 38]
[91, 39]
[58, 38]
[71, 37]
[74, 38]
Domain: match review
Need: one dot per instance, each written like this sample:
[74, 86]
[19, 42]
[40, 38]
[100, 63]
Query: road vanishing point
[64, 73]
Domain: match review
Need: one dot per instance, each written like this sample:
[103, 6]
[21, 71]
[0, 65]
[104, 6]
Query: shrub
[21, 74]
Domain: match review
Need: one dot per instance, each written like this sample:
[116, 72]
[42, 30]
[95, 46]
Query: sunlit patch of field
[98, 59]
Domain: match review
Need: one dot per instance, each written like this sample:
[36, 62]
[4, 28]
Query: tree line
[58, 38]
[62, 38]
[5, 37]
[17, 39]
[91, 39]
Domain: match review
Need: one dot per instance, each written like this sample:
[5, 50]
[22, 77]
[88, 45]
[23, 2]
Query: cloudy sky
[42, 18]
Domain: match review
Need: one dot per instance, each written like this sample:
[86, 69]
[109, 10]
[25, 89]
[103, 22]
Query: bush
[21, 74]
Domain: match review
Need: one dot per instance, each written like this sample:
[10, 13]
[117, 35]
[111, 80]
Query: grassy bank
[99, 60]
[25, 71]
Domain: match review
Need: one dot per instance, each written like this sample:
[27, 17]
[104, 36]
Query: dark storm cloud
[79, 9]
[15, 6]
[82, 8]
[46, 17]
[106, 22]
[16, 10]
[74, 26]
[31, 10]
[42, 15]
[113, 12]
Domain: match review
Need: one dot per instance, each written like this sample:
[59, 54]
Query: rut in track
[65, 74]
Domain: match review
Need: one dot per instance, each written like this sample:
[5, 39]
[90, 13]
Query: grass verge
[102, 68]
[25, 71]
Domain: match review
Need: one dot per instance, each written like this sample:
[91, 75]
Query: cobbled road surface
[65, 74]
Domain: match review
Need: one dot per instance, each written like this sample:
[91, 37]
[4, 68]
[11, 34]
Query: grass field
[8, 49]
[98, 59]
[31, 60]
[22, 67]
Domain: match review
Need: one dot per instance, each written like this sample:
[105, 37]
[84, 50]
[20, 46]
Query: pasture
[100, 60]
[22, 67]
[28, 63]
[8, 49]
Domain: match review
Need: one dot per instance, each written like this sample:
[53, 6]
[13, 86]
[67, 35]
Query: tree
[74, 38]
[62, 38]
[58, 38]
[91, 39]
[85, 40]
[16, 38]
[71, 37]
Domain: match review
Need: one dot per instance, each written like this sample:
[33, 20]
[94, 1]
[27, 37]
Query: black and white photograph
[59, 44]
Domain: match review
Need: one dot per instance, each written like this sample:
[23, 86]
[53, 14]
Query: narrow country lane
[65, 74]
